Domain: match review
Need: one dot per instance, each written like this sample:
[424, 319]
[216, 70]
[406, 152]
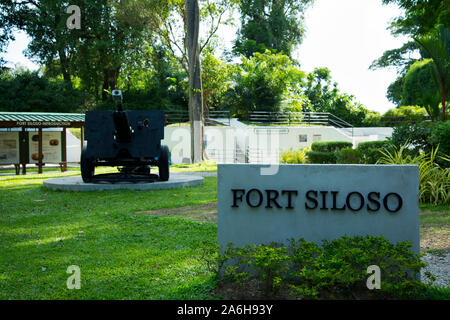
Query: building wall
[261, 144]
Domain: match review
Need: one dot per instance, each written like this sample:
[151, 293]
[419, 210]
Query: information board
[9, 147]
[51, 147]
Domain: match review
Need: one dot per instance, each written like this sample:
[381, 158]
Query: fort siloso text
[317, 200]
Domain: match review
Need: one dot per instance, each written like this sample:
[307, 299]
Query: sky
[345, 36]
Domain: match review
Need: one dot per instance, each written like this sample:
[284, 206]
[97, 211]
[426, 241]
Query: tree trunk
[195, 81]
[65, 68]
[110, 77]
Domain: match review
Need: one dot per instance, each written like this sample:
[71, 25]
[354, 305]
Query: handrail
[309, 118]
[180, 116]
[262, 117]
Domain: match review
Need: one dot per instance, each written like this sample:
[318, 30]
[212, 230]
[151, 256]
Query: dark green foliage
[437, 293]
[152, 82]
[349, 156]
[416, 135]
[423, 136]
[419, 87]
[321, 157]
[370, 151]
[403, 115]
[29, 92]
[326, 151]
[394, 91]
[436, 45]
[440, 136]
[268, 263]
[418, 19]
[261, 83]
[334, 269]
[274, 25]
[330, 146]
[324, 96]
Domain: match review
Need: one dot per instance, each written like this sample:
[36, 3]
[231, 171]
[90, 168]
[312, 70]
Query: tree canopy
[419, 20]
[270, 24]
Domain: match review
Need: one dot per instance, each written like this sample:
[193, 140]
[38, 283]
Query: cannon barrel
[120, 118]
[123, 131]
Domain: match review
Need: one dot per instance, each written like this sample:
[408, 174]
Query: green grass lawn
[122, 255]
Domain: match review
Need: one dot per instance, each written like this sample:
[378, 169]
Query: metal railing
[267, 118]
[300, 118]
[211, 117]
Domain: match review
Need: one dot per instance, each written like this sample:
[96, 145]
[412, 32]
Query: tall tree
[419, 89]
[180, 32]
[270, 24]
[419, 18]
[109, 30]
[172, 27]
[45, 23]
[195, 80]
[437, 45]
[5, 37]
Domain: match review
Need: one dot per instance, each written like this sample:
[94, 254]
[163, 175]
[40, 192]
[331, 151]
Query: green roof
[41, 116]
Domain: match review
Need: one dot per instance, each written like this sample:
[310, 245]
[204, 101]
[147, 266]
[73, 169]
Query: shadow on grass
[126, 262]
[121, 255]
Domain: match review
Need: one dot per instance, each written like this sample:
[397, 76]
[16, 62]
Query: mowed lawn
[121, 255]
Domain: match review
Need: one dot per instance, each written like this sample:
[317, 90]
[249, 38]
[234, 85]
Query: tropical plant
[294, 156]
[434, 181]
[262, 83]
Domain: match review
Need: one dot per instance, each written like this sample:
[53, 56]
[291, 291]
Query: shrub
[348, 156]
[269, 263]
[415, 136]
[321, 157]
[440, 136]
[334, 268]
[326, 151]
[341, 267]
[424, 136]
[330, 146]
[370, 151]
[294, 156]
[403, 115]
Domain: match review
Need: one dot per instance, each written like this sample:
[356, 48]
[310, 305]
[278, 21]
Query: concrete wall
[256, 208]
[253, 144]
[249, 144]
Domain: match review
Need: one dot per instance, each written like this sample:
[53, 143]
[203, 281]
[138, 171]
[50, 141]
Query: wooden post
[24, 151]
[40, 150]
[64, 165]
[82, 137]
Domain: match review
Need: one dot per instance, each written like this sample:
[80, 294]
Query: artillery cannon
[129, 140]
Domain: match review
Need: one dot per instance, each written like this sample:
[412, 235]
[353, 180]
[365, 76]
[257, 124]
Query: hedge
[321, 157]
[370, 151]
[349, 156]
[330, 146]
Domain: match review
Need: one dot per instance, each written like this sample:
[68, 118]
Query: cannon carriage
[129, 140]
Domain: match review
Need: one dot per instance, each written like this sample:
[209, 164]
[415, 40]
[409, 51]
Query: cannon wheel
[163, 164]
[87, 167]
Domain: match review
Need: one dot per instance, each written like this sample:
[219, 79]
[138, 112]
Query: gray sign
[317, 202]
